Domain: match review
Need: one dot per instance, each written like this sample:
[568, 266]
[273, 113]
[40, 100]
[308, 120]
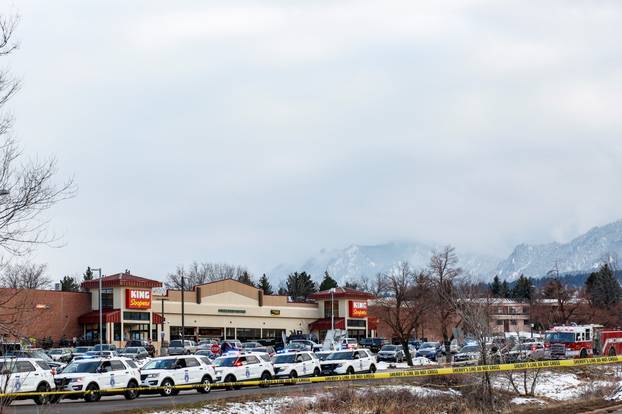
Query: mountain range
[582, 254]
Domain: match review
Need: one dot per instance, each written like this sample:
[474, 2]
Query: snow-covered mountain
[584, 253]
[359, 260]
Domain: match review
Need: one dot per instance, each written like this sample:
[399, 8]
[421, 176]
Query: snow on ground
[266, 406]
[416, 390]
[417, 362]
[526, 401]
[559, 386]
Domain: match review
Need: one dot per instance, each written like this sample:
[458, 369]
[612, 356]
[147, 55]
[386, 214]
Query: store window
[357, 323]
[327, 308]
[246, 334]
[175, 332]
[272, 333]
[107, 298]
[230, 333]
[136, 316]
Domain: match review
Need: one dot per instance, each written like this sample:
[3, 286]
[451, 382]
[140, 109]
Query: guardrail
[566, 363]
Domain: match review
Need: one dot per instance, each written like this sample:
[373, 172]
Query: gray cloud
[261, 132]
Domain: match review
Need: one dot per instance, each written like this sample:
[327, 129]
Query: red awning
[326, 324]
[372, 323]
[108, 315]
[157, 319]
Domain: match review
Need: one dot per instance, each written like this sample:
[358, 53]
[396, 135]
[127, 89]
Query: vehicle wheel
[317, 372]
[168, 389]
[265, 376]
[372, 368]
[612, 352]
[293, 374]
[350, 371]
[92, 393]
[583, 354]
[132, 392]
[42, 399]
[206, 385]
[229, 378]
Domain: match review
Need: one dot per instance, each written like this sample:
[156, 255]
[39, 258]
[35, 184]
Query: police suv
[115, 375]
[244, 367]
[167, 372]
[18, 375]
[295, 364]
[349, 362]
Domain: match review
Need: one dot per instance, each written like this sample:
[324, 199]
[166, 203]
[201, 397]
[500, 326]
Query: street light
[101, 317]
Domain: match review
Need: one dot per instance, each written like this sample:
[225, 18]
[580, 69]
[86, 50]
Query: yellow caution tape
[414, 372]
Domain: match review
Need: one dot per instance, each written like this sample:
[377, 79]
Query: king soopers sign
[137, 299]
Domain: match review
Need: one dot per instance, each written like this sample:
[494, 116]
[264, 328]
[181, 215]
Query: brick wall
[42, 313]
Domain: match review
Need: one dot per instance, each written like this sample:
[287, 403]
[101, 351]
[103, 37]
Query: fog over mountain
[584, 253]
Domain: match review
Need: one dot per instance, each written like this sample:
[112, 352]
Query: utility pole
[183, 324]
[101, 317]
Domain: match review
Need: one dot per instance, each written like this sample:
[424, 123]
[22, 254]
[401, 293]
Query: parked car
[100, 354]
[149, 347]
[209, 345]
[60, 354]
[169, 371]
[81, 350]
[296, 364]
[105, 347]
[394, 353]
[179, 347]
[134, 352]
[468, 355]
[264, 349]
[322, 355]
[373, 344]
[310, 345]
[37, 354]
[415, 343]
[234, 368]
[349, 343]
[99, 374]
[349, 362]
[230, 345]
[26, 375]
[250, 345]
[206, 353]
[430, 350]
[525, 352]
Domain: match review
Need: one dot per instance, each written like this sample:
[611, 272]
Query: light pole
[183, 324]
[101, 317]
[332, 309]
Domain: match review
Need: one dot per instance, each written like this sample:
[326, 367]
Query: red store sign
[137, 299]
[358, 309]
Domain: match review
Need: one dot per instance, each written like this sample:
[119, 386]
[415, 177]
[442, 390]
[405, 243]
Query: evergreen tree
[264, 284]
[523, 289]
[300, 286]
[246, 278]
[504, 292]
[282, 291]
[88, 275]
[69, 284]
[352, 285]
[495, 287]
[603, 288]
[328, 282]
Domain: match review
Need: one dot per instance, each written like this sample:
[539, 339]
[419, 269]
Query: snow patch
[526, 401]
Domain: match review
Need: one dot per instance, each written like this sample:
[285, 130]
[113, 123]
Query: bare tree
[201, 273]
[443, 271]
[25, 276]
[405, 303]
[27, 187]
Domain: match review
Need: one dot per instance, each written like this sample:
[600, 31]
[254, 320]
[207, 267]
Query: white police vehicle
[244, 367]
[18, 375]
[170, 371]
[97, 374]
[349, 362]
[296, 364]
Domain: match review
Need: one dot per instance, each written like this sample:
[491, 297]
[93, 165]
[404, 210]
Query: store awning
[326, 324]
[372, 323]
[108, 316]
[157, 319]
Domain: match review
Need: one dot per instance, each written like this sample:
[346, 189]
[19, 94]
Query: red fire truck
[582, 341]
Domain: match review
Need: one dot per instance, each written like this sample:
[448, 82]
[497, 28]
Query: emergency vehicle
[582, 341]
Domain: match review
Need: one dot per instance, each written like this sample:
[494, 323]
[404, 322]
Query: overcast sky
[259, 132]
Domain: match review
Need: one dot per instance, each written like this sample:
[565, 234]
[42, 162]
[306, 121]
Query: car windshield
[77, 367]
[176, 344]
[225, 362]
[56, 351]
[560, 337]
[132, 350]
[340, 355]
[284, 359]
[470, 348]
[388, 348]
[168, 363]
[323, 356]
[82, 349]
[429, 345]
